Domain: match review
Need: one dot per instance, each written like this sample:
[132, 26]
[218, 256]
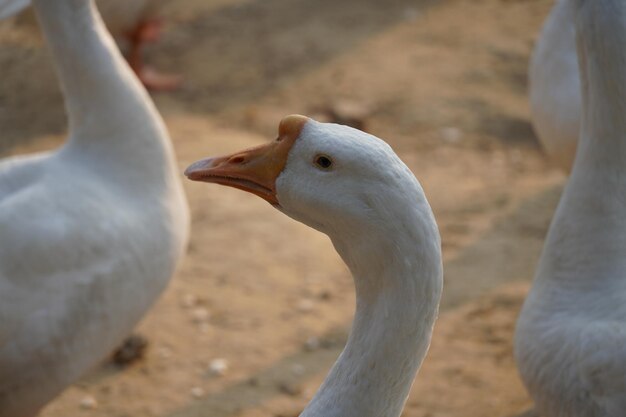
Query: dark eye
[323, 162]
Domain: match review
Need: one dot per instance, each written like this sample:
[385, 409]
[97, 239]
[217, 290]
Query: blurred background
[261, 306]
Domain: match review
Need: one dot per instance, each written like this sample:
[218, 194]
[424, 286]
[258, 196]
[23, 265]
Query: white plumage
[571, 336]
[90, 234]
[555, 99]
[352, 187]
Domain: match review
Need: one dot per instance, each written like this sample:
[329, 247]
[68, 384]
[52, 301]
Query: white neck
[601, 37]
[109, 111]
[588, 233]
[398, 279]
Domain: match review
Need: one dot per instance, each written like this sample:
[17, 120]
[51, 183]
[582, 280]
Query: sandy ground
[443, 82]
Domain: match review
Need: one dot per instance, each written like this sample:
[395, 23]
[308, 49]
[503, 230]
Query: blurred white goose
[134, 23]
[90, 234]
[352, 187]
[555, 99]
[571, 335]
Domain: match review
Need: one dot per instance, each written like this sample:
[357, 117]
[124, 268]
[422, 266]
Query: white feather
[571, 335]
[90, 234]
[554, 78]
[377, 216]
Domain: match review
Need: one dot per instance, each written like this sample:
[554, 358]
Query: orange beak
[254, 170]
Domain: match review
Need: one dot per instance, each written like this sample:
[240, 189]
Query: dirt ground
[443, 82]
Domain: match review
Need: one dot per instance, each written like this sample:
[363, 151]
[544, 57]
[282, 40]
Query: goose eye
[323, 162]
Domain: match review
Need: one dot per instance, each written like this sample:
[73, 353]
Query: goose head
[336, 179]
[351, 186]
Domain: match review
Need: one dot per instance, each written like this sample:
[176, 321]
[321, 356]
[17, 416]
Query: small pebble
[197, 392]
[132, 349]
[200, 315]
[349, 112]
[451, 134]
[189, 300]
[165, 352]
[312, 343]
[218, 367]
[297, 369]
[325, 295]
[88, 403]
[305, 305]
[289, 389]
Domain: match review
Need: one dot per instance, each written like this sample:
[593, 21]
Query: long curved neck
[601, 38]
[398, 279]
[109, 111]
[588, 233]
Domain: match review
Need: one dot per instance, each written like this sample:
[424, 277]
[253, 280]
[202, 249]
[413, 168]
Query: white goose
[352, 187]
[554, 78]
[90, 234]
[571, 336]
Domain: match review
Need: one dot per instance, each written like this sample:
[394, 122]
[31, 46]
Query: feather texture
[90, 234]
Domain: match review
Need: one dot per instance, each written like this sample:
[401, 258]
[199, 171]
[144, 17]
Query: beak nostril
[238, 159]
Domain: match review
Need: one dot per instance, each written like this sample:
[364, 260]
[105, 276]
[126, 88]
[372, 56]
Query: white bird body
[554, 78]
[375, 213]
[90, 234]
[571, 335]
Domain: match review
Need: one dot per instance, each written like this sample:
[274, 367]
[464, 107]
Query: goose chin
[243, 184]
